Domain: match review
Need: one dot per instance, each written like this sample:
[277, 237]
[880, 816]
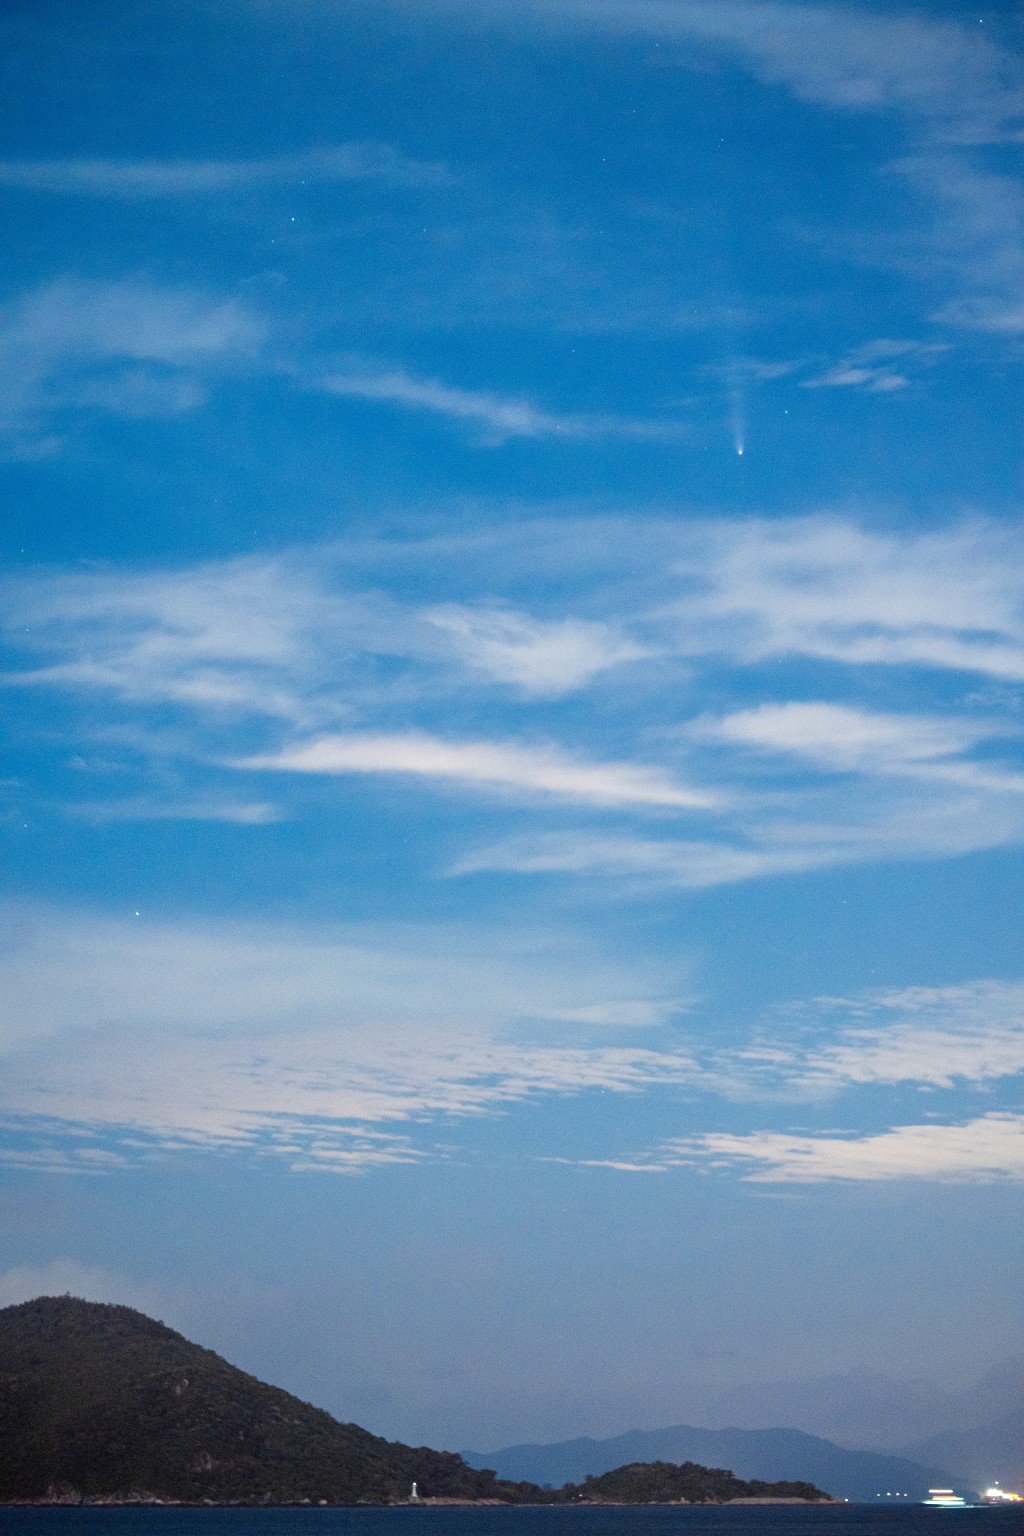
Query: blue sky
[513, 629]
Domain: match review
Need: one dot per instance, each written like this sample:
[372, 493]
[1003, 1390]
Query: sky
[512, 600]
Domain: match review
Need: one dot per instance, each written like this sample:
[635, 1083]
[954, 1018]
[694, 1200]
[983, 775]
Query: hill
[662, 1482]
[758, 1454]
[982, 1455]
[106, 1401]
[102, 1402]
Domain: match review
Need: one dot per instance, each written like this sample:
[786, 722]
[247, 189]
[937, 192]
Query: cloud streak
[504, 765]
[326, 1047]
[943, 78]
[132, 180]
[935, 1037]
[326, 661]
[499, 418]
[977, 1151]
[826, 588]
[544, 659]
[877, 366]
[129, 347]
[349, 1047]
[950, 87]
[668, 862]
[844, 740]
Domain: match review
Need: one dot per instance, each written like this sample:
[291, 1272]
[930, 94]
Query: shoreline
[144, 1501]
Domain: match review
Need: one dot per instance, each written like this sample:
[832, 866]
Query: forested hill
[106, 1401]
[663, 1482]
[102, 1402]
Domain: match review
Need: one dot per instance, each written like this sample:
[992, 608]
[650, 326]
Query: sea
[606, 1520]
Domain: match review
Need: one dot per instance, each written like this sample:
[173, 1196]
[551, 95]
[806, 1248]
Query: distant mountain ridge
[986, 1454]
[763, 1454]
[866, 1409]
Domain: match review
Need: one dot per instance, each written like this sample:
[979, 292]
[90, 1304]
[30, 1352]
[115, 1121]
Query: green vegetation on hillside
[107, 1401]
[662, 1482]
[102, 1402]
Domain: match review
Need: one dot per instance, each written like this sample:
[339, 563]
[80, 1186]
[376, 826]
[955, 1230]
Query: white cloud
[125, 1038]
[500, 417]
[937, 1037]
[978, 1151]
[825, 587]
[664, 861]
[542, 658]
[945, 82]
[242, 813]
[977, 236]
[233, 635]
[506, 765]
[69, 318]
[926, 749]
[752, 370]
[877, 366]
[257, 645]
[138, 179]
[128, 347]
[285, 1093]
[343, 1048]
[276, 634]
[944, 78]
[885, 807]
[284, 663]
[838, 736]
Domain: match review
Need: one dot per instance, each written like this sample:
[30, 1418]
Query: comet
[737, 422]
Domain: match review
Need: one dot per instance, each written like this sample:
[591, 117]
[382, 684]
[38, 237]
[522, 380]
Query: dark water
[642, 1520]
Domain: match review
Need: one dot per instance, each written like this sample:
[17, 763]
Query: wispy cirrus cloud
[941, 75]
[669, 862]
[296, 664]
[488, 764]
[747, 591]
[760, 837]
[348, 1047]
[842, 739]
[274, 635]
[935, 1037]
[543, 658]
[880, 367]
[324, 1046]
[911, 789]
[947, 83]
[240, 813]
[151, 178]
[960, 1042]
[977, 235]
[830, 589]
[130, 347]
[976, 1151]
[497, 417]
[229, 636]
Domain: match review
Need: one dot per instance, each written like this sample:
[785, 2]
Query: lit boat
[997, 1495]
[944, 1498]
